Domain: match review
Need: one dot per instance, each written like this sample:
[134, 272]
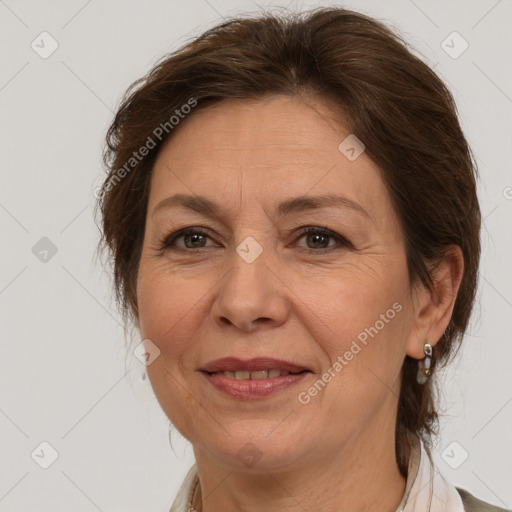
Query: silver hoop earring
[425, 365]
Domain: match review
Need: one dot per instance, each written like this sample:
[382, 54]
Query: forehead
[266, 149]
[260, 128]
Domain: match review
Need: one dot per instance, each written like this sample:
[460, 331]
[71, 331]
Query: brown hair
[390, 99]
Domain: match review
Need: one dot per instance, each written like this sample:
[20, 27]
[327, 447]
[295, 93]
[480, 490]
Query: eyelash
[167, 243]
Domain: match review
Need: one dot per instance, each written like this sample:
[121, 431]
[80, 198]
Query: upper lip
[233, 364]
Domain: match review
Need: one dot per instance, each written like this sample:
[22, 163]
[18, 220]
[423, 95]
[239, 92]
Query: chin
[250, 450]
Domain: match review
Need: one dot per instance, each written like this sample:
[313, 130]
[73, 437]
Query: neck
[360, 476]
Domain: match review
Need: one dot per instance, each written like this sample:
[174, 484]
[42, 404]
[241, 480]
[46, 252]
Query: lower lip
[253, 388]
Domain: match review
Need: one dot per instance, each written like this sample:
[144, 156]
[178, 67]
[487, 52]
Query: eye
[318, 238]
[193, 238]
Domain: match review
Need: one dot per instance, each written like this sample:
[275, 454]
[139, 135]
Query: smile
[256, 385]
[260, 374]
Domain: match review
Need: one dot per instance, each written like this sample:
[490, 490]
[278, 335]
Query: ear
[433, 309]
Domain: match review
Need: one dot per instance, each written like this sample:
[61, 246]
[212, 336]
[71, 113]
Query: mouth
[252, 379]
[253, 366]
[255, 375]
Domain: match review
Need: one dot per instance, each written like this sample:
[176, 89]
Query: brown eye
[193, 238]
[318, 240]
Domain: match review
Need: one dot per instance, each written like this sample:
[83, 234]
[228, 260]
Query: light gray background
[62, 372]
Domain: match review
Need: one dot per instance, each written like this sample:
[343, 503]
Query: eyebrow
[205, 206]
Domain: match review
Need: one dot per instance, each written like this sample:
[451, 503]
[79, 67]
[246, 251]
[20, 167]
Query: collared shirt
[426, 489]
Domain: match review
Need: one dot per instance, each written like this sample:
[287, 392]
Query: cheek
[355, 301]
[365, 347]
[363, 319]
[168, 309]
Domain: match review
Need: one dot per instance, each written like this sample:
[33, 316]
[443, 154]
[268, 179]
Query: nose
[251, 295]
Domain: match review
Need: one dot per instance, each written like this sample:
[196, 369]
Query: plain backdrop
[67, 399]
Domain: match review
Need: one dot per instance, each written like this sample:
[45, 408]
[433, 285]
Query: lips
[253, 379]
[259, 364]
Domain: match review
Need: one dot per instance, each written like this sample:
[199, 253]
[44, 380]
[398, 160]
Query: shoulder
[473, 504]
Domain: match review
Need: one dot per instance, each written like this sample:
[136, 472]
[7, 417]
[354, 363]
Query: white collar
[426, 489]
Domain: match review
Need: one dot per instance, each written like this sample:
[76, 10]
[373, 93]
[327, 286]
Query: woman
[292, 215]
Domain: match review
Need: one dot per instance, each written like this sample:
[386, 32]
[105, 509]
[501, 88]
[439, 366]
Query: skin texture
[304, 299]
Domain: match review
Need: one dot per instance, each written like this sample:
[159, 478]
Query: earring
[425, 365]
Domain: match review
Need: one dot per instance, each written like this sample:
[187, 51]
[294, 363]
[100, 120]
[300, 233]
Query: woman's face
[246, 282]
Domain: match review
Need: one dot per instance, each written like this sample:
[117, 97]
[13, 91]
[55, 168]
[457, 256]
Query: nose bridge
[248, 282]
[250, 293]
